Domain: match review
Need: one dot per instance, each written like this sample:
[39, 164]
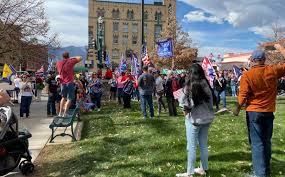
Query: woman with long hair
[197, 103]
[26, 91]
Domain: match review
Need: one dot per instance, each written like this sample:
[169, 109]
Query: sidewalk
[38, 126]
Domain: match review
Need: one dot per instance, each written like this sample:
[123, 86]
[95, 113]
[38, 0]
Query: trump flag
[165, 48]
[209, 70]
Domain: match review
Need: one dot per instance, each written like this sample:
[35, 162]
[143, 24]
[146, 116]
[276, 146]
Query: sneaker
[183, 175]
[200, 171]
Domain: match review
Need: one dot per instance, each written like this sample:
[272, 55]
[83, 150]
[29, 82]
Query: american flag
[177, 93]
[145, 57]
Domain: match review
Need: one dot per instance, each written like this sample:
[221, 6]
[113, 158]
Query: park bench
[65, 122]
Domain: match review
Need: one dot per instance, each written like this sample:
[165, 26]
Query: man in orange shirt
[258, 91]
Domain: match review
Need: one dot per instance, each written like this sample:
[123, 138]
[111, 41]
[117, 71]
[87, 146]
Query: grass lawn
[118, 142]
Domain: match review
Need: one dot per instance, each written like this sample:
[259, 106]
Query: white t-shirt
[17, 82]
[159, 84]
[26, 88]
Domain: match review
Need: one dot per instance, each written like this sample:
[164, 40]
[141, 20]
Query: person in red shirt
[65, 70]
[108, 74]
[120, 85]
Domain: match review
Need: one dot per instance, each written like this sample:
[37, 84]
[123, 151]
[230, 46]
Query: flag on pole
[237, 71]
[135, 64]
[145, 57]
[165, 48]
[209, 70]
[123, 64]
[108, 61]
[7, 73]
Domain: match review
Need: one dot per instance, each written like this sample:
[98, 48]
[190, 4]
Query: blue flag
[237, 71]
[135, 65]
[123, 65]
[165, 48]
[108, 61]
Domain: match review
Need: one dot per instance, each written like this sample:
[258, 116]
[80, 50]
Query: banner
[123, 64]
[108, 61]
[165, 48]
[145, 57]
[209, 70]
[8, 72]
[135, 69]
[237, 71]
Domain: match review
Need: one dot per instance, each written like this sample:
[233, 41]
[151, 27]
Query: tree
[184, 53]
[23, 25]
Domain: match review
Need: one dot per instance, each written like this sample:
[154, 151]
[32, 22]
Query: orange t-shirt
[258, 87]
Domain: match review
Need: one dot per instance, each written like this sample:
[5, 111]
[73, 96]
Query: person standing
[51, 89]
[233, 82]
[96, 91]
[17, 81]
[169, 94]
[128, 90]
[220, 85]
[159, 91]
[113, 88]
[197, 103]
[26, 90]
[39, 87]
[65, 70]
[120, 86]
[146, 86]
[258, 90]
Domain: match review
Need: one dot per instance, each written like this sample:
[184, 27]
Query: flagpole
[142, 13]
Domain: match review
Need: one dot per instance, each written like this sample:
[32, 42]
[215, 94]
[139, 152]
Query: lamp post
[100, 39]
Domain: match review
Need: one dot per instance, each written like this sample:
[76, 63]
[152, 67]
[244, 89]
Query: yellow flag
[6, 71]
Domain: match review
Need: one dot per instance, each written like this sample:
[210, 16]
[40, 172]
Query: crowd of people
[256, 89]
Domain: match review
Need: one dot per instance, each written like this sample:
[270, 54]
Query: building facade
[115, 28]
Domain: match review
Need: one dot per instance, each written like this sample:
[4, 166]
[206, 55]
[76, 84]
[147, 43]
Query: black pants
[127, 100]
[160, 101]
[171, 106]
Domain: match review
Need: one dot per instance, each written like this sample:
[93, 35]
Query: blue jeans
[96, 99]
[51, 104]
[233, 87]
[147, 99]
[260, 127]
[222, 95]
[25, 105]
[195, 134]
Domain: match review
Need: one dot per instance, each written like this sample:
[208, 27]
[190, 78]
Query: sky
[215, 26]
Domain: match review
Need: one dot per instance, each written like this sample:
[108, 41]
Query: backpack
[129, 87]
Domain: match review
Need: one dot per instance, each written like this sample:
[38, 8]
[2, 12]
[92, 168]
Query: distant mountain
[73, 51]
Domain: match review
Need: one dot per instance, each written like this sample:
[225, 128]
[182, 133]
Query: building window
[157, 31]
[145, 15]
[115, 39]
[115, 53]
[130, 14]
[125, 39]
[134, 27]
[116, 14]
[134, 40]
[158, 16]
[125, 27]
[100, 12]
[115, 26]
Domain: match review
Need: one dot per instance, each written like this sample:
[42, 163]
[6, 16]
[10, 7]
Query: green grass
[118, 142]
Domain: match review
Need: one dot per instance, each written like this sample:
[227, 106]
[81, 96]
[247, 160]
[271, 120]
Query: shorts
[68, 91]
[113, 89]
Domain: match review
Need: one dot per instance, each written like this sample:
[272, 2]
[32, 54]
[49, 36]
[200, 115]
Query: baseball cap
[258, 55]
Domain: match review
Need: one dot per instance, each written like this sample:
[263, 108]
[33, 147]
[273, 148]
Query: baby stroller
[13, 144]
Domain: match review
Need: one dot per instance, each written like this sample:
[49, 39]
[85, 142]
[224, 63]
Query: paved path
[38, 126]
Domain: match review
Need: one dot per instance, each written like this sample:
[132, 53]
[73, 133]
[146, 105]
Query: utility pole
[143, 41]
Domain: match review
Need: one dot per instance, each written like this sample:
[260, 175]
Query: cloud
[69, 19]
[255, 15]
[200, 16]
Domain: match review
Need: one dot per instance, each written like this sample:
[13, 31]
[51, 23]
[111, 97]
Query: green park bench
[65, 122]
